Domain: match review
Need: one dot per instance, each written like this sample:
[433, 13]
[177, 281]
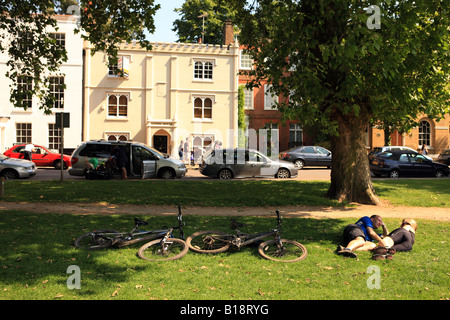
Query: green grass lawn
[235, 193]
[36, 250]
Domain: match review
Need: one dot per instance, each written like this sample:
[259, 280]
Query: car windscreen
[385, 155]
[95, 150]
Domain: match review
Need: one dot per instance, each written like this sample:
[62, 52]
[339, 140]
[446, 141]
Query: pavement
[315, 173]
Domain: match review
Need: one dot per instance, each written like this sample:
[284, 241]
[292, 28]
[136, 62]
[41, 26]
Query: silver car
[244, 163]
[16, 168]
[144, 161]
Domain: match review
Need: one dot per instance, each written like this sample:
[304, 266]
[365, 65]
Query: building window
[117, 137]
[202, 108]
[203, 70]
[60, 39]
[424, 133]
[57, 90]
[54, 135]
[270, 99]
[25, 41]
[121, 69]
[202, 143]
[246, 61]
[25, 87]
[117, 105]
[295, 135]
[23, 133]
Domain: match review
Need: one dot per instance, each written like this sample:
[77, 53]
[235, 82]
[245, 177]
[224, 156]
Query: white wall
[72, 69]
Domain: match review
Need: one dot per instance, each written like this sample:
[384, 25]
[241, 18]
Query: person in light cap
[401, 239]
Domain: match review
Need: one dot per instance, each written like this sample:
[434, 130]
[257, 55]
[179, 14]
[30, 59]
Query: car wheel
[394, 174]
[10, 174]
[283, 174]
[167, 174]
[439, 173]
[299, 164]
[225, 174]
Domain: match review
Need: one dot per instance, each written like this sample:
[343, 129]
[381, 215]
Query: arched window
[424, 133]
[117, 105]
[202, 108]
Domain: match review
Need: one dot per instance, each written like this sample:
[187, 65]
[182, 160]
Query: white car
[11, 168]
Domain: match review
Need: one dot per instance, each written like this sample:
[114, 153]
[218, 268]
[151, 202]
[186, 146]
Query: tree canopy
[344, 64]
[34, 53]
[189, 27]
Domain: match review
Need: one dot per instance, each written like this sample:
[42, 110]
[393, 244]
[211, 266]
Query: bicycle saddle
[138, 222]
[234, 224]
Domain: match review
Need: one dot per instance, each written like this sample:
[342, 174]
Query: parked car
[11, 168]
[144, 161]
[42, 157]
[307, 156]
[244, 163]
[444, 157]
[378, 150]
[406, 163]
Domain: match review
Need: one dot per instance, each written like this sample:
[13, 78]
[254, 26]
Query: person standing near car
[424, 150]
[186, 151]
[29, 148]
[180, 150]
[121, 161]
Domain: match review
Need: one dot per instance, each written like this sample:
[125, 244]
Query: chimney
[228, 34]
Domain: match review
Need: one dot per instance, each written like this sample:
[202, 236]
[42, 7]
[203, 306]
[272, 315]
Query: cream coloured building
[164, 96]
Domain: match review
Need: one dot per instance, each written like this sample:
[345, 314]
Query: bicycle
[277, 249]
[161, 247]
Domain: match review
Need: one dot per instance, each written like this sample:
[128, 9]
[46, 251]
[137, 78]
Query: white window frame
[60, 38]
[248, 99]
[200, 74]
[203, 98]
[245, 61]
[269, 100]
[425, 136]
[123, 62]
[22, 135]
[118, 95]
[56, 91]
[54, 137]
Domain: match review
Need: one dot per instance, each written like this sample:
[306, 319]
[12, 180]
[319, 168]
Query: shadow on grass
[37, 247]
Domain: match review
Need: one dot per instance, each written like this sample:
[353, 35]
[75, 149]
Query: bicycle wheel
[94, 240]
[290, 252]
[208, 242]
[153, 250]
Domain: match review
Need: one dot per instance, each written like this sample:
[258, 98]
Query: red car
[42, 157]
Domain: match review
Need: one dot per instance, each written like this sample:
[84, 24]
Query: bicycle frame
[121, 239]
[240, 239]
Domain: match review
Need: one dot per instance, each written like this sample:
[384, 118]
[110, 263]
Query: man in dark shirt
[121, 160]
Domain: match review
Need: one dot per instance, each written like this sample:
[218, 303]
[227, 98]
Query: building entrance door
[160, 143]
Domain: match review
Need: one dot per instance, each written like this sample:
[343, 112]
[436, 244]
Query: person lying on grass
[401, 239]
[360, 236]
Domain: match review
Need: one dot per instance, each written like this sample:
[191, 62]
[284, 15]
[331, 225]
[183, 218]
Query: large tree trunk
[350, 173]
